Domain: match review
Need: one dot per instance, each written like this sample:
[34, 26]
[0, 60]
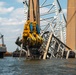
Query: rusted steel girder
[34, 13]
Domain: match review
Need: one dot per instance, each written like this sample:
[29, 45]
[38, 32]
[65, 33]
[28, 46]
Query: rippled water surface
[16, 66]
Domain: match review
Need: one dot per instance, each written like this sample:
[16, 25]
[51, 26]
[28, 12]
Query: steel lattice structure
[54, 22]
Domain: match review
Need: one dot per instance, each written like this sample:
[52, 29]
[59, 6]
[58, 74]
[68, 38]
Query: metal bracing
[54, 31]
[52, 47]
[56, 19]
[58, 24]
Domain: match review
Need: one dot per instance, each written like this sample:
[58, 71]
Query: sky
[12, 20]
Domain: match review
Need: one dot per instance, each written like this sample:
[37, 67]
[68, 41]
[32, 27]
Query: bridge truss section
[53, 28]
[53, 19]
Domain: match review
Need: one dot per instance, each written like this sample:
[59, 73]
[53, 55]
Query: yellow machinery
[31, 37]
[31, 30]
[31, 34]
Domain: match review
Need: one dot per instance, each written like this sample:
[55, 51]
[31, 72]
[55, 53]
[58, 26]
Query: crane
[40, 44]
[31, 34]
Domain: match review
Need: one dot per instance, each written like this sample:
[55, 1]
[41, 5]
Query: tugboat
[2, 47]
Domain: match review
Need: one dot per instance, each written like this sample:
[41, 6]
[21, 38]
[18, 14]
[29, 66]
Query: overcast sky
[12, 20]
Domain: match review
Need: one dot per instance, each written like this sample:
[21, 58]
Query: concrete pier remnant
[71, 24]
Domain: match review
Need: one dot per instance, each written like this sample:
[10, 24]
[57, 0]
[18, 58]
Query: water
[16, 66]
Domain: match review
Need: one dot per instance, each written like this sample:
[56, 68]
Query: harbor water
[21, 66]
